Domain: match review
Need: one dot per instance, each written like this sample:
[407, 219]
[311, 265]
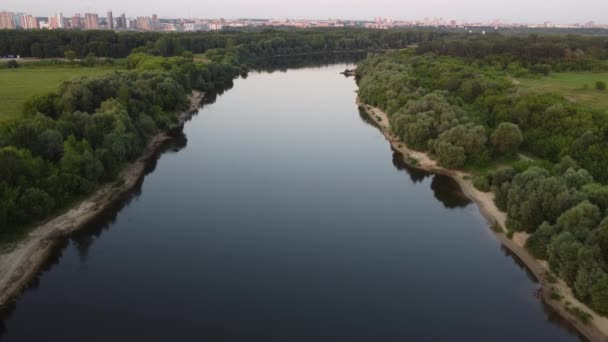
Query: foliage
[454, 98]
[507, 138]
[70, 55]
[68, 142]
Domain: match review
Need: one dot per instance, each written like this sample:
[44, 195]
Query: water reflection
[283, 64]
[416, 175]
[85, 237]
[448, 192]
[365, 118]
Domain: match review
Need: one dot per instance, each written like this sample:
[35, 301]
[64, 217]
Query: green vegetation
[70, 134]
[17, 85]
[583, 316]
[555, 295]
[68, 141]
[453, 96]
[250, 44]
[577, 86]
[455, 99]
[550, 277]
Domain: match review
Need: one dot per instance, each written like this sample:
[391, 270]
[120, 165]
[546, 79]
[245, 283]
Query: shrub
[14, 65]
[481, 183]
[600, 85]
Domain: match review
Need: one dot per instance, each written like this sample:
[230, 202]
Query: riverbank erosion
[21, 262]
[596, 329]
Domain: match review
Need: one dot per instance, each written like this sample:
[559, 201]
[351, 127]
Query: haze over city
[523, 11]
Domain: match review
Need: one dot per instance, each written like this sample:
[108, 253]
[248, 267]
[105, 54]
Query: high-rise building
[28, 22]
[91, 21]
[18, 23]
[77, 21]
[54, 22]
[144, 24]
[7, 20]
[110, 20]
[123, 21]
[61, 20]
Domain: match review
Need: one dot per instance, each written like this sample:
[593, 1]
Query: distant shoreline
[21, 263]
[596, 329]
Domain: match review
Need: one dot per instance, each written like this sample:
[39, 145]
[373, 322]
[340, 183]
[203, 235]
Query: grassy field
[578, 86]
[17, 85]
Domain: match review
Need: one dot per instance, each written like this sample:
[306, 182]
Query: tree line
[539, 54]
[256, 43]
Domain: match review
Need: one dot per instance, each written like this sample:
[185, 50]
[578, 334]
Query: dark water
[281, 214]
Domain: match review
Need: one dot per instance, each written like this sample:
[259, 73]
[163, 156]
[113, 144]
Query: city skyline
[516, 11]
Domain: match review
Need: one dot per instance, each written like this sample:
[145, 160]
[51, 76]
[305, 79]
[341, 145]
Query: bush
[583, 316]
[14, 65]
[507, 138]
[541, 69]
[481, 183]
[600, 85]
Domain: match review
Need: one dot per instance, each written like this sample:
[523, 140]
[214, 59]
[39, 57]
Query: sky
[520, 11]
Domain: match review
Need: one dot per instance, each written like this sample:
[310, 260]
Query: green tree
[35, 203]
[12, 64]
[449, 155]
[599, 295]
[70, 55]
[507, 138]
[537, 242]
[90, 59]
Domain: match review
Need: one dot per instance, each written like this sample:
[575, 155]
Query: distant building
[196, 27]
[7, 20]
[216, 26]
[77, 22]
[91, 21]
[18, 23]
[28, 22]
[43, 24]
[110, 20]
[144, 24]
[61, 20]
[54, 22]
[122, 21]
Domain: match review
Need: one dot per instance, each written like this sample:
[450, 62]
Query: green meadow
[577, 86]
[17, 85]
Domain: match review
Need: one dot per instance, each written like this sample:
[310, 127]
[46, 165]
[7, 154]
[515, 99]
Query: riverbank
[22, 262]
[596, 329]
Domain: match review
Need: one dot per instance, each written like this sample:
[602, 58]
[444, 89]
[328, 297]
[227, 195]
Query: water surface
[281, 214]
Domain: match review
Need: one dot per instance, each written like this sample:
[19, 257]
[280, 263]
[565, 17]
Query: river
[281, 214]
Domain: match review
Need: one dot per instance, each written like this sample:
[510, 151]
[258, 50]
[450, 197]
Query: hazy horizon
[520, 11]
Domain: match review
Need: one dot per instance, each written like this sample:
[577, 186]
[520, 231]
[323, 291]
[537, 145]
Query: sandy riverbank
[22, 262]
[597, 329]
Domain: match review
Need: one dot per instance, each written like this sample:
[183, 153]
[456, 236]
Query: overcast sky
[558, 11]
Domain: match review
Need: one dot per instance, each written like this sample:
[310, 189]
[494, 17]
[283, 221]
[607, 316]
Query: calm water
[281, 214]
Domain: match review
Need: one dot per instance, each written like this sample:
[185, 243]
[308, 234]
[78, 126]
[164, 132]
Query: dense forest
[259, 43]
[541, 54]
[456, 99]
